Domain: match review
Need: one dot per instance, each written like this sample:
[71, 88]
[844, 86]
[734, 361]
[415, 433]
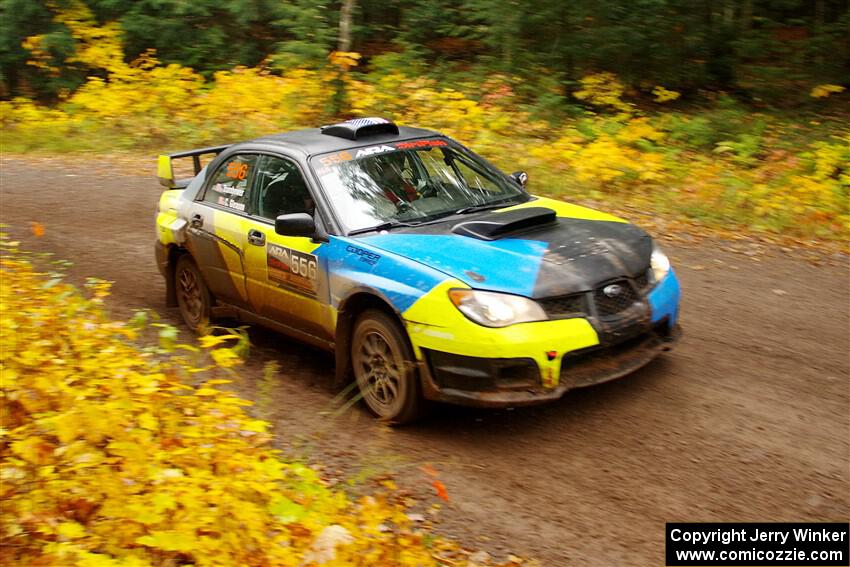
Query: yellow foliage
[108, 457]
[96, 46]
[818, 194]
[823, 91]
[605, 91]
[344, 59]
[664, 95]
[639, 129]
[40, 58]
[606, 160]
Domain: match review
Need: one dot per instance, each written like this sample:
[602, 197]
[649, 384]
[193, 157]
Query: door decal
[292, 269]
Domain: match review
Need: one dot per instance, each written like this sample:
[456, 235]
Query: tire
[384, 368]
[193, 295]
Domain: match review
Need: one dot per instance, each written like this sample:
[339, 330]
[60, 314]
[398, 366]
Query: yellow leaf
[163, 501]
[168, 540]
[67, 426]
[148, 421]
[207, 392]
[32, 449]
[209, 341]
[70, 530]
[256, 425]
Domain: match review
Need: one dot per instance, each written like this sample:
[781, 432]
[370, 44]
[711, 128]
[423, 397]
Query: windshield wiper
[484, 207]
[383, 226]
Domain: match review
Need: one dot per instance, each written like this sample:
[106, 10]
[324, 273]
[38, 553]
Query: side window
[281, 189]
[230, 183]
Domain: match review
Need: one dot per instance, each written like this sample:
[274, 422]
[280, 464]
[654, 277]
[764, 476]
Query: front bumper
[528, 363]
[500, 382]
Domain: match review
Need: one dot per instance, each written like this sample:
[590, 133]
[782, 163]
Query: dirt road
[746, 421]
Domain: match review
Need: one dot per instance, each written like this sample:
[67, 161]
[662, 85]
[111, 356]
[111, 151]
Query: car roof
[311, 141]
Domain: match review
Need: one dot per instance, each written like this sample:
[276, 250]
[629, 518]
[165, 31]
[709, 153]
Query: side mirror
[295, 224]
[520, 177]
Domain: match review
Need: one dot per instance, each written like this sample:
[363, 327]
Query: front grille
[619, 297]
[564, 305]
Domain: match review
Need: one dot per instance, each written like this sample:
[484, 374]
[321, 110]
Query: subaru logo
[613, 290]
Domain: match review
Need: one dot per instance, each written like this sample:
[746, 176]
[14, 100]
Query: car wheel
[193, 295]
[384, 368]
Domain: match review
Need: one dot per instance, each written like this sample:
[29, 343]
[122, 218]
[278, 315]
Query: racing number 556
[303, 267]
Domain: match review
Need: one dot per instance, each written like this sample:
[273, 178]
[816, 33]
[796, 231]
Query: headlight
[496, 309]
[659, 263]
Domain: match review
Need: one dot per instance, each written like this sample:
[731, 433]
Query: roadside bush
[114, 451]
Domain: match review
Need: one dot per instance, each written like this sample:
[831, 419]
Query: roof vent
[359, 127]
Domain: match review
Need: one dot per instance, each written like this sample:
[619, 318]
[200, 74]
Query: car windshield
[404, 183]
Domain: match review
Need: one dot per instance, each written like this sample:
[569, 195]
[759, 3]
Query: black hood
[581, 254]
[556, 256]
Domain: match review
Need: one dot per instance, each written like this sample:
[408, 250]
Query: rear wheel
[193, 296]
[384, 368]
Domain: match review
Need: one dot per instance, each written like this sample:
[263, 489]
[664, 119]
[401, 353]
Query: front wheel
[193, 295]
[384, 368]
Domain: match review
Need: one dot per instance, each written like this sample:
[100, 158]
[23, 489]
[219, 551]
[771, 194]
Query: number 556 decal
[291, 268]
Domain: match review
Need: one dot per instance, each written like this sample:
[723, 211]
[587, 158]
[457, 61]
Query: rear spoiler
[165, 172]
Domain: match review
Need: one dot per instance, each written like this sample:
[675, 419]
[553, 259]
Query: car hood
[559, 256]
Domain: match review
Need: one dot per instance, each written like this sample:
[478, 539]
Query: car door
[286, 275]
[218, 221]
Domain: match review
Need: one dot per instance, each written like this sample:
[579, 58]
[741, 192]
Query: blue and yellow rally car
[429, 274]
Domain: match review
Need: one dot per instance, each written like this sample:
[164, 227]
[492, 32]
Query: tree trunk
[345, 16]
[746, 19]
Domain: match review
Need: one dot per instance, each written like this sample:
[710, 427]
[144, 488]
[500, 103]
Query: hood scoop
[497, 225]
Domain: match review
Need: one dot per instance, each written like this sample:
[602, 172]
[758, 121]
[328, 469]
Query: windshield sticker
[420, 144]
[292, 269]
[336, 158]
[343, 156]
[237, 170]
[363, 152]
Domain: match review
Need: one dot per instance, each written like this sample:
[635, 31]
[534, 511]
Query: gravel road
[747, 420]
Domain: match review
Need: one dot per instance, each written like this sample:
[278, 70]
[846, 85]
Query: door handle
[256, 237]
[197, 221]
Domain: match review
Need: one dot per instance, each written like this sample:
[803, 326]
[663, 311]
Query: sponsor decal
[231, 203]
[228, 190]
[237, 170]
[420, 144]
[343, 156]
[363, 152]
[293, 269]
[334, 159]
[365, 255]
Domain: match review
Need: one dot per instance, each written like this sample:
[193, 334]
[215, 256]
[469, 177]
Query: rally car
[429, 273]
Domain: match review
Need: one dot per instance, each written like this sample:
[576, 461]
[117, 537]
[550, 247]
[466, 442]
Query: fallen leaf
[429, 470]
[440, 489]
